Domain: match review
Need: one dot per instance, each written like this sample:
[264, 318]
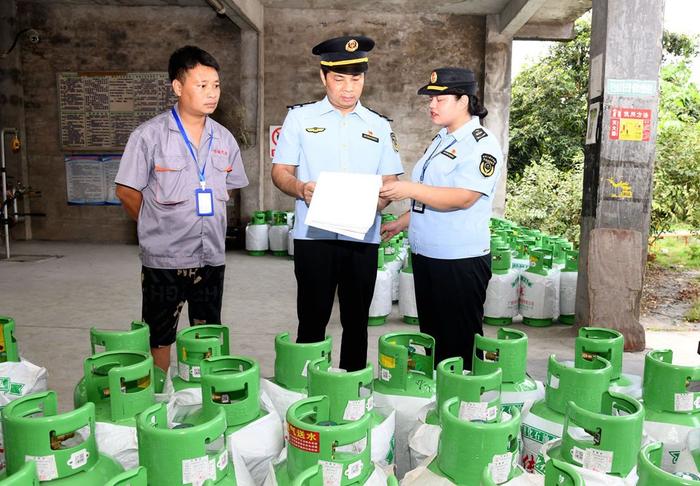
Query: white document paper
[345, 203]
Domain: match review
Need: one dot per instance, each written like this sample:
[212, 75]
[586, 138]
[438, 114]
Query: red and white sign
[304, 440]
[631, 124]
[274, 137]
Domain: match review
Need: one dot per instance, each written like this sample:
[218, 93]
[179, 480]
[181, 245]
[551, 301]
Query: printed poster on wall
[90, 179]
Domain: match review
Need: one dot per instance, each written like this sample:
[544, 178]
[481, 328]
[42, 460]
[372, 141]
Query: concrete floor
[55, 301]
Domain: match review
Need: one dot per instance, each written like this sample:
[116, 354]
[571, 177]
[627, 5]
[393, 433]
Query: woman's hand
[393, 228]
[397, 190]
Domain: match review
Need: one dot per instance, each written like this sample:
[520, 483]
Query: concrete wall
[105, 38]
[408, 47]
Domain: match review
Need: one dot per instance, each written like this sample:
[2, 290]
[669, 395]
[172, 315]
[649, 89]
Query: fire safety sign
[630, 124]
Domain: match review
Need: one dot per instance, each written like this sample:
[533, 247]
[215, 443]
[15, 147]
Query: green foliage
[676, 193]
[548, 108]
[548, 124]
[548, 199]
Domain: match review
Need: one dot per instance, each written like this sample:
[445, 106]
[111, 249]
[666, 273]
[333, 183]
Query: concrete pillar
[12, 105]
[251, 100]
[619, 162]
[497, 62]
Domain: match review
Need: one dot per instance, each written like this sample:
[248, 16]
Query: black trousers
[321, 266]
[165, 292]
[450, 297]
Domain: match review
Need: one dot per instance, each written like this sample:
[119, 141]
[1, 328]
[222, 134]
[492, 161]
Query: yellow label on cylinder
[387, 361]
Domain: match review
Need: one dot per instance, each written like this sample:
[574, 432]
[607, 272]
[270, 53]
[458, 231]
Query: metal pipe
[3, 172]
[217, 6]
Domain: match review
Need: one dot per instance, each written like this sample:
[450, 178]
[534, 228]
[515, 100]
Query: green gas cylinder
[582, 386]
[610, 344]
[611, 439]
[63, 446]
[380, 307]
[407, 293]
[292, 361]
[466, 448]
[231, 384]
[137, 339]
[502, 294]
[403, 369]
[567, 288]
[479, 395]
[557, 473]
[313, 476]
[672, 402]
[651, 474]
[25, 476]
[507, 352]
[279, 233]
[132, 477]
[120, 384]
[184, 455]
[256, 233]
[8, 343]
[194, 344]
[343, 450]
[537, 291]
[349, 392]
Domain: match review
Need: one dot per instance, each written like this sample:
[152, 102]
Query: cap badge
[433, 77]
[351, 46]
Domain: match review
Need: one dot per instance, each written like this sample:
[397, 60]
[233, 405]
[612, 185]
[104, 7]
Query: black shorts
[165, 292]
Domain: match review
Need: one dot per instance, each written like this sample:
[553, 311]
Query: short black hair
[186, 58]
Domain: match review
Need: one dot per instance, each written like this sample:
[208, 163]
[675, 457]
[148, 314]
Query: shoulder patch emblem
[479, 133]
[315, 129]
[394, 142]
[449, 154]
[370, 136]
[488, 165]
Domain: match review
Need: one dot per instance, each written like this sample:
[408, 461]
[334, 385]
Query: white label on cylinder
[577, 454]
[385, 374]
[305, 371]
[78, 459]
[473, 410]
[196, 471]
[500, 467]
[354, 470]
[332, 473]
[354, 410]
[183, 371]
[196, 372]
[222, 462]
[45, 467]
[554, 381]
[598, 460]
[683, 402]
[370, 403]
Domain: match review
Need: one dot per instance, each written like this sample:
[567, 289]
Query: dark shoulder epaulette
[291, 107]
[383, 116]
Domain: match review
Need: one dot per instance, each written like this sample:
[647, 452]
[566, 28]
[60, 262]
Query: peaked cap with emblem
[345, 55]
[450, 80]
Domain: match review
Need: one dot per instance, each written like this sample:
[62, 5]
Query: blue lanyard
[432, 156]
[189, 146]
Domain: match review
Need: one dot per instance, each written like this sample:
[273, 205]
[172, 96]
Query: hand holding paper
[345, 203]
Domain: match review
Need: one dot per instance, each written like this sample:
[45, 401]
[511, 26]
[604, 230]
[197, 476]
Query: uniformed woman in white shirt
[451, 194]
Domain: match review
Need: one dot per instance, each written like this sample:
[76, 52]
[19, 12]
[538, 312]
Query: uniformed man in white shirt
[336, 134]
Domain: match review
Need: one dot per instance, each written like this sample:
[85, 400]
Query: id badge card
[205, 202]
[417, 207]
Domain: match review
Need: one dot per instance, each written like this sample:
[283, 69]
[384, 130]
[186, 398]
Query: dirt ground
[668, 294]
